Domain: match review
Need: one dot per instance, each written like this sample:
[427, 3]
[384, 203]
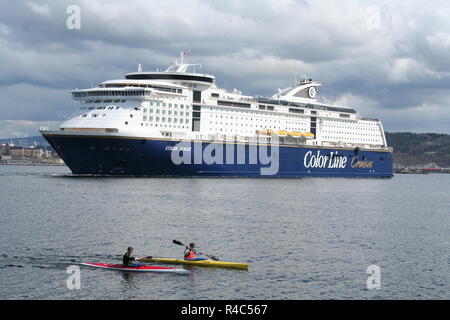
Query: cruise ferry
[178, 122]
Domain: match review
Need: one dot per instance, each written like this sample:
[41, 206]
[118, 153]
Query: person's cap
[130, 248]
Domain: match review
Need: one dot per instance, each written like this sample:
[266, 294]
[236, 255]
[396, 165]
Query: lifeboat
[308, 135]
[295, 134]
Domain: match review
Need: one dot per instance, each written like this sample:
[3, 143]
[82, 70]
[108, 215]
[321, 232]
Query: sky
[387, 59]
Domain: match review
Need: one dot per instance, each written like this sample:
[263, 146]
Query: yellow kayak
[200, 263]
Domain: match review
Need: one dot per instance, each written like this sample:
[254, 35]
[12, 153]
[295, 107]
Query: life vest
[190, 254]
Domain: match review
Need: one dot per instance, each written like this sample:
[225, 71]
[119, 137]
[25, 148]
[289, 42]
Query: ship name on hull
[317, 160]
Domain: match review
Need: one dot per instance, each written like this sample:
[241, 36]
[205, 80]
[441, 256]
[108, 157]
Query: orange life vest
[190, 255]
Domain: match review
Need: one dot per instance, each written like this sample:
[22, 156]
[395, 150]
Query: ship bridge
[179, 73]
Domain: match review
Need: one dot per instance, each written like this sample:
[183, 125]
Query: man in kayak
[191, 254]
[128, 258]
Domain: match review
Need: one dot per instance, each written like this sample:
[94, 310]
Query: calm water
[303, 238]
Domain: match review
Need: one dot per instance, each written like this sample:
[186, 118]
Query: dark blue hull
[103, 155]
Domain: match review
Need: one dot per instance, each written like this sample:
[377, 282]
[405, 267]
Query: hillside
[419, 149]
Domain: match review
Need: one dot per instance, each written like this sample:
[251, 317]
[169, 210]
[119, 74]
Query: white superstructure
[182, 103]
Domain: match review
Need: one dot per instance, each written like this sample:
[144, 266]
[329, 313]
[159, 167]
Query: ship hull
[130, 156]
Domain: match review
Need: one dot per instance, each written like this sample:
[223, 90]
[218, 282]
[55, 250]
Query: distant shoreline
[39, 164]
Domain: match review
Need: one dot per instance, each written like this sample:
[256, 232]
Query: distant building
[29, 152]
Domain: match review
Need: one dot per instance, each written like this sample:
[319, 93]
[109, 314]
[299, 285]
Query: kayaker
[128, 258]
[191, 254]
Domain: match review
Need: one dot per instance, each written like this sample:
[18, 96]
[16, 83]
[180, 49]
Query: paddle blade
[178, 242]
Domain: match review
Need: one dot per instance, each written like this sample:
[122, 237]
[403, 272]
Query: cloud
[389, 59]
[39, 9]
[24, 128]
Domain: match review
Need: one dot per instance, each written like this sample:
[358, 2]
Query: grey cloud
[256, 46]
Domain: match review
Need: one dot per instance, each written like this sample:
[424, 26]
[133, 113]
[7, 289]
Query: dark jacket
[126, 260]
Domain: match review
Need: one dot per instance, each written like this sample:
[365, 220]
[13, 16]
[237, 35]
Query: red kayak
[142, 268]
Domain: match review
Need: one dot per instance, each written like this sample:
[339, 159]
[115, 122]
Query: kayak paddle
[209, 256]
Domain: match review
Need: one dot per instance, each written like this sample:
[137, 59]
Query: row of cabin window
[255, 114]
[163, 119]
[168, 104]
[351, 139]
[106, 101]
[150, 124]
[111, 93]
[168, 112]
[354, 130]
[302, 129]
[261, 120]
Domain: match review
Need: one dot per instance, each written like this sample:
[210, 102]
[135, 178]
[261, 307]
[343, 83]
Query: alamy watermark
[373, 18]
[74, 280]
[73, 21]
[374, 280]
[262, 153]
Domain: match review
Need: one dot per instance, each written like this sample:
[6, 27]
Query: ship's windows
[126, 123]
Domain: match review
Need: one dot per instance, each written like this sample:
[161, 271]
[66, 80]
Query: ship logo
[333, 160]
[356, 163]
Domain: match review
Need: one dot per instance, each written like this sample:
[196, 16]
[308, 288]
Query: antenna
[139, 68]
